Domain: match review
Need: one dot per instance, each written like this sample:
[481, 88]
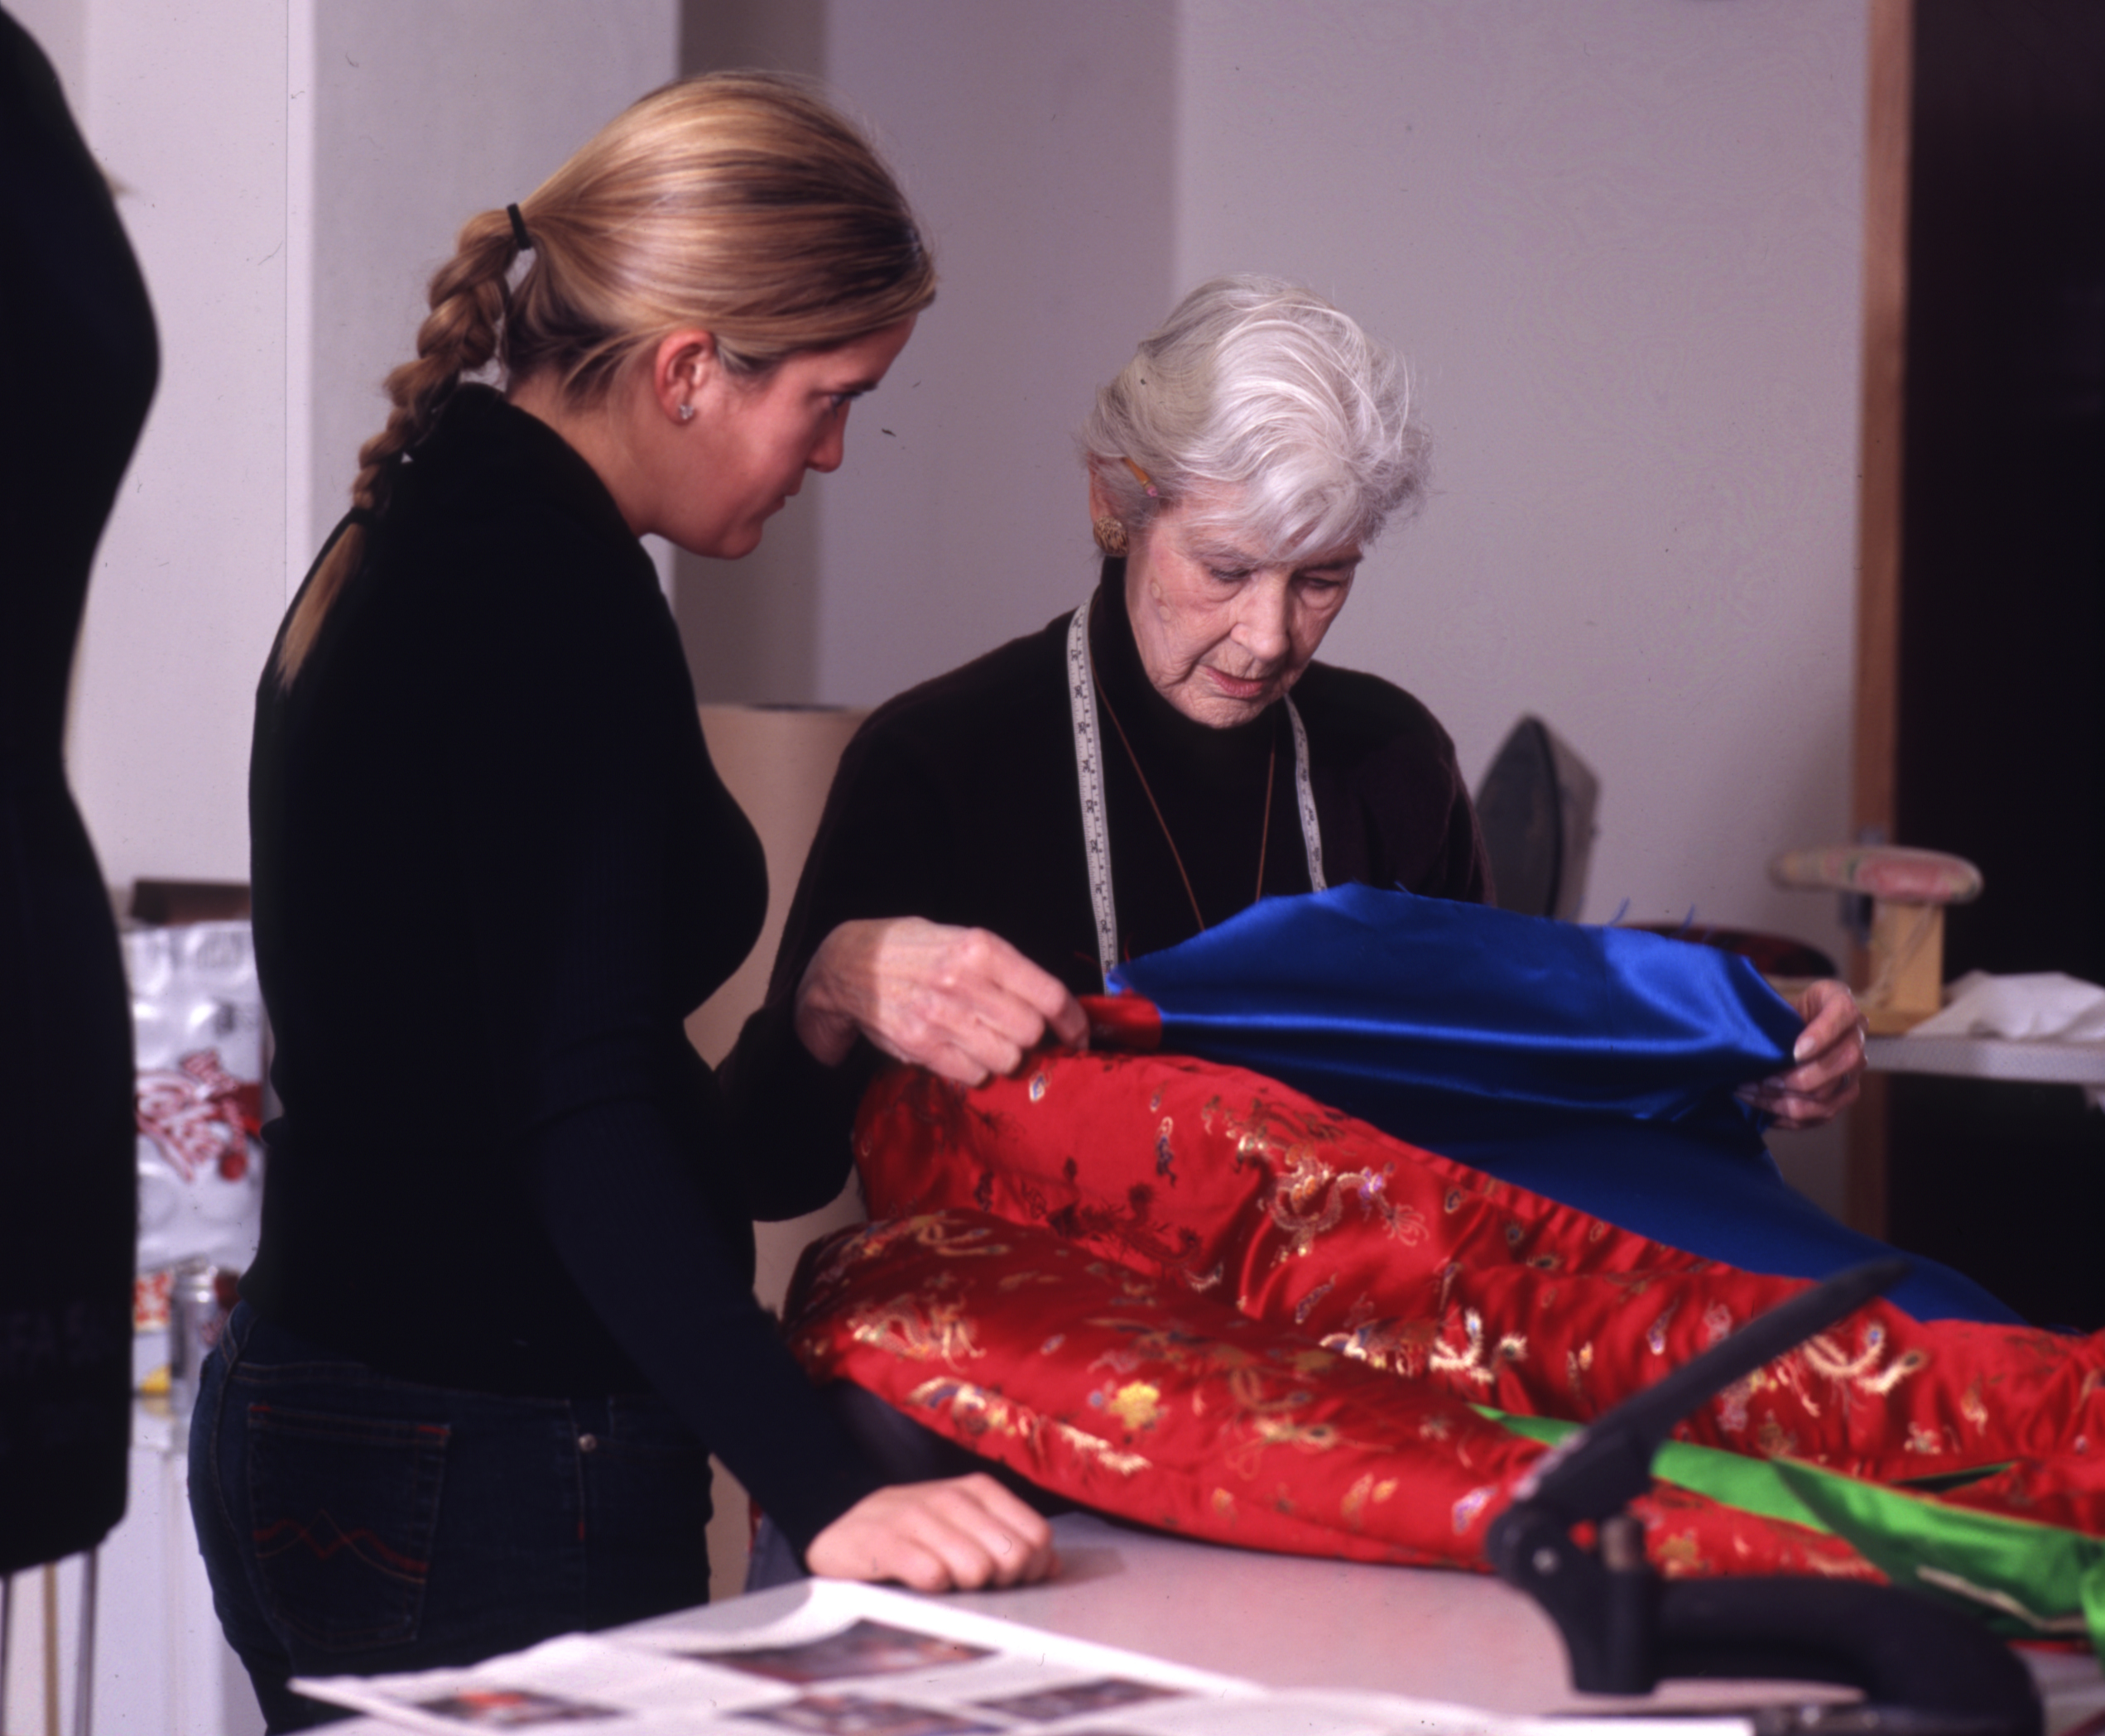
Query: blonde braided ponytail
[457, 336]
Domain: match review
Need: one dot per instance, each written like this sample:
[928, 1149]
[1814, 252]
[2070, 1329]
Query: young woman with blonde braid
[503, 1309]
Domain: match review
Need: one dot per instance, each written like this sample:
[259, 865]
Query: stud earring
[1110, 535]
[686, 412]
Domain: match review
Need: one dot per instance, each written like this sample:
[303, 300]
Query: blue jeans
[352, 1524]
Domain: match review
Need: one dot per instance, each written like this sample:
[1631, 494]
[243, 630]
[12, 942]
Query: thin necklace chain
[1264, 834]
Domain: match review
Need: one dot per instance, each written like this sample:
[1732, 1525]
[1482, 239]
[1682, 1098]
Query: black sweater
[958, 801]
[493, 870]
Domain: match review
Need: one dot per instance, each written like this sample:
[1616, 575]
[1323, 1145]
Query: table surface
[1291, 1621]
[1301, 1621]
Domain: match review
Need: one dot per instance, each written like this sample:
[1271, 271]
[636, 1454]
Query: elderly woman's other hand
[959, 1534]
[1830, 1057]
[960, 1002]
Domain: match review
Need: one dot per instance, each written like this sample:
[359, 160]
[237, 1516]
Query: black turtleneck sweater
[493, 870]
[957, 801]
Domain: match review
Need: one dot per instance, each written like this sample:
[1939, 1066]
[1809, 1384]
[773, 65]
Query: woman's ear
[682, 368]
[1101, 505]
[1105, 525]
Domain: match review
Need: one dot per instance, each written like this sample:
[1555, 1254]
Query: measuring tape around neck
[1088, 778]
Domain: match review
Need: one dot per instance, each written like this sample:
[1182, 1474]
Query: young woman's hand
[960, 1002]
[1828, 1060]
[957, 1535]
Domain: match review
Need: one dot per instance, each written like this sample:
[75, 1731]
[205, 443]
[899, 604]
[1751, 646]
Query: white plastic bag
[197, 1024]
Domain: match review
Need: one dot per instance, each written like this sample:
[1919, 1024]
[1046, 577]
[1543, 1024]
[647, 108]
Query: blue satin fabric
[1595, 1065]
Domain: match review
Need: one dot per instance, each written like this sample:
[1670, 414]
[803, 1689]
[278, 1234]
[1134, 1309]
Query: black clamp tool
[1925, 1670]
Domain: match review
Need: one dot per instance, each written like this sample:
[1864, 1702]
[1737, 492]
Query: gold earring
[1110, 535]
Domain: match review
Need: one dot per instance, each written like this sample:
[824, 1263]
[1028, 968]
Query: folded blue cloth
[1595, 1065]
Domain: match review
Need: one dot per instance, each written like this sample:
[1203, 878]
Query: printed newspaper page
[861, 1661]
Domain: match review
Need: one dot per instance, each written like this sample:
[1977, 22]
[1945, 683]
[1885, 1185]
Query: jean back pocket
[344, 1509]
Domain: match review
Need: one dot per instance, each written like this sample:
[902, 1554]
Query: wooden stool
[1909, 890]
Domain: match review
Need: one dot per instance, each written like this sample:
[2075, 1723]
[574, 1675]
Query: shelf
[1989, 1057]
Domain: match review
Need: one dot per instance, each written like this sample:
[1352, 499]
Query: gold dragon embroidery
[903, 1328]
[977, 1411]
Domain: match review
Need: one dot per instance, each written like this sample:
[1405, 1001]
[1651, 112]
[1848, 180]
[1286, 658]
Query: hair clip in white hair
[1143, 475]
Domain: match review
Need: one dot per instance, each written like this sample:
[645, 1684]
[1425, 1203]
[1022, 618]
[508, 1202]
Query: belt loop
[230, 1349]
[239, 1341]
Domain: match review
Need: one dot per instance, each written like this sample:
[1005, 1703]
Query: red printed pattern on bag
[200, 1115]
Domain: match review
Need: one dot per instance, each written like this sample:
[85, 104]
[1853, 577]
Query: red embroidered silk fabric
[1190, 1295]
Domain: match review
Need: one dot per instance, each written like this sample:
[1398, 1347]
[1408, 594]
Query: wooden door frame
[1875, 758]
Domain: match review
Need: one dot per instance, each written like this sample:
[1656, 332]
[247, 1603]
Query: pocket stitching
[416, 1484]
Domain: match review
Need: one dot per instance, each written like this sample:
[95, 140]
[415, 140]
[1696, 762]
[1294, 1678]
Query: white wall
[185, 107]
[425, 114]
[1621, 242]
[1037, 142]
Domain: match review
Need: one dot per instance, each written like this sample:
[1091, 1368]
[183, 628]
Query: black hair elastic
[520, 238]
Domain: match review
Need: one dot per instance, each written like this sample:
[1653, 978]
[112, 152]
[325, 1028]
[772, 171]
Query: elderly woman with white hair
[998, 839]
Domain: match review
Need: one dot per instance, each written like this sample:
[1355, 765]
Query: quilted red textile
[1188, 1295]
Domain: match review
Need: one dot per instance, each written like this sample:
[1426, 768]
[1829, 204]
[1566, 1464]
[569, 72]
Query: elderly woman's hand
[1830, 1057]
[960, 1002]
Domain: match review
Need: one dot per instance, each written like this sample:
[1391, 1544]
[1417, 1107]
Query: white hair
[1272, 412]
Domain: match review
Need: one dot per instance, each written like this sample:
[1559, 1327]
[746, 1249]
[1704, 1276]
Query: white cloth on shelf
[2038, 1007]
[2045, 1006]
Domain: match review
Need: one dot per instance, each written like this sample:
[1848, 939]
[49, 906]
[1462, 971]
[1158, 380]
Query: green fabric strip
[2027, 1580]
[2030, 1580]
[1750, 1484]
